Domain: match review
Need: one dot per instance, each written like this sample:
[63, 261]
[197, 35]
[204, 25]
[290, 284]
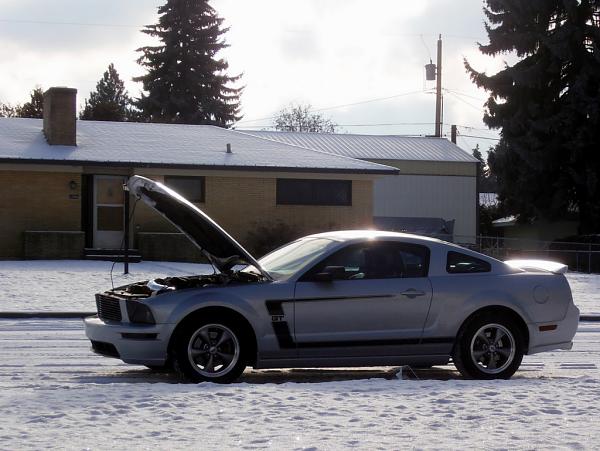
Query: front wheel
[210, 351]
[489, 347]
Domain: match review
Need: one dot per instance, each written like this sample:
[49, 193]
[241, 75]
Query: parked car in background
[347, 298]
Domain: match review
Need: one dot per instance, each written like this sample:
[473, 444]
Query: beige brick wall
[240, 203]
[35, 201]
[39, 200]
[431, 167]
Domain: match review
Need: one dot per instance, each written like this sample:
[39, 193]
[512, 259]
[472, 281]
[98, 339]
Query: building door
[109, 211]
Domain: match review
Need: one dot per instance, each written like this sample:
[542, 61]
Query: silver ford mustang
[349, 298]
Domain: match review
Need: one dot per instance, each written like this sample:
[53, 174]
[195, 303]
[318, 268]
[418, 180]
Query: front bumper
[559, 338]
[132, 343]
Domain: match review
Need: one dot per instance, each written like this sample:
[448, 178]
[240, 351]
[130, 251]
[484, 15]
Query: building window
[192, 188]
[314, 192]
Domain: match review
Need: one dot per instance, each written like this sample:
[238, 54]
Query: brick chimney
[60, 115]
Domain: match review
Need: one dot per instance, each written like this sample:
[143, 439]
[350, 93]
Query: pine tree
[547, 106]
[484, 176]
[481, 167]
[110, 101]
[186, 81]
[34, 108]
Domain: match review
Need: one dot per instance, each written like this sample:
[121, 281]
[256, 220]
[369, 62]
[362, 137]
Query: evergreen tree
[34, 108]
[547, 105]
[487, 182]
[298, 118]
[186, 81]
[110, 101]
[481, 167]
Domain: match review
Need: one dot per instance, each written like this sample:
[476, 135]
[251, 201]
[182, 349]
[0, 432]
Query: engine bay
[147, 288]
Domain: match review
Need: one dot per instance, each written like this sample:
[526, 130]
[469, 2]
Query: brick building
[61, 179]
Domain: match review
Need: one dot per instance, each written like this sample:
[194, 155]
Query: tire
[210, 350]
[489, 346]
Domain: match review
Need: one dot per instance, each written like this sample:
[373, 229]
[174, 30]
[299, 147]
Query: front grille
[108, 308]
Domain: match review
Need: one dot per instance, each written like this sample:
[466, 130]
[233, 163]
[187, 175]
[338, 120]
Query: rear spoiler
[538, 266]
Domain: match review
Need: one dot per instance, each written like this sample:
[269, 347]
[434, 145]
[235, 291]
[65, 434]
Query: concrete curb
[44, 315]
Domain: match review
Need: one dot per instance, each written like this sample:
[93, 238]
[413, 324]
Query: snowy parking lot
[55, 393]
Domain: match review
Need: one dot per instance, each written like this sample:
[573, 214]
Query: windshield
[289, 259]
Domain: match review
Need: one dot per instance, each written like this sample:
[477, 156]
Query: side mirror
[331, 273]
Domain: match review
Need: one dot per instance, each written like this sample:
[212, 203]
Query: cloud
[311, 51]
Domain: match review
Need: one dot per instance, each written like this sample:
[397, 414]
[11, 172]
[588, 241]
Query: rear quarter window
[459, 263]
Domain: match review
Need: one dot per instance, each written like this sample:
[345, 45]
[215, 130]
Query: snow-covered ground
[70, 285]
[586, 292]
[54, 393]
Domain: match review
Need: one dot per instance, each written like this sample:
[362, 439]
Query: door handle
[412, 293]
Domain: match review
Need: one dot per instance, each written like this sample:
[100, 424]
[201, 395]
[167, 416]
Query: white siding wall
[438, 196]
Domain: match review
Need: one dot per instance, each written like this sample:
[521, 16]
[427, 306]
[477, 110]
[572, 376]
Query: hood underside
[215, 243]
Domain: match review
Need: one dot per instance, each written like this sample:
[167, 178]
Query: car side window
[459, 263]
[377, 260]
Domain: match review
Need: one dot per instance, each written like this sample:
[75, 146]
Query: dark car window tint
[378, 261]
[458, 263]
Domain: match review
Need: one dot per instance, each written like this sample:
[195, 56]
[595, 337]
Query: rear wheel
[211, 351]
[489, 346]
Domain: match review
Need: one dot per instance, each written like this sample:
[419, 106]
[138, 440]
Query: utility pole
[438, 93]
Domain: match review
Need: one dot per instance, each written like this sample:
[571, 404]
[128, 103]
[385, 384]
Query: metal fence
[582, 257]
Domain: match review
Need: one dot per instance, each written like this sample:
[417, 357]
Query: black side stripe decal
[346, 298]
[391, 342]
[286, 341]
[280, 325]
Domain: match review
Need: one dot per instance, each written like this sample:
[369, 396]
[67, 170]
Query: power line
[460, 93]
[349, 125]
[426, 48]
[479, 137]
[470, 127]
[466, 103]
[362, 102]
[370, 100]
[385, 124]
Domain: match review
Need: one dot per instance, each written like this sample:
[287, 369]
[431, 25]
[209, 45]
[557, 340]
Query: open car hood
[215, 243]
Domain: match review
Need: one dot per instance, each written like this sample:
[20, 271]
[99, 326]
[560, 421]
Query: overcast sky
[325, 53]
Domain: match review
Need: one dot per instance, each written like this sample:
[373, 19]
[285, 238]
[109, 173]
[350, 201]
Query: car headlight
[139, 313]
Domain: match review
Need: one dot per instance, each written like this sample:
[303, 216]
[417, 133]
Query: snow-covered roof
[374, 147]
[169, 145]
[507, 221]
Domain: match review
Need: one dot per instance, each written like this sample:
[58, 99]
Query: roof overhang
[385, 170]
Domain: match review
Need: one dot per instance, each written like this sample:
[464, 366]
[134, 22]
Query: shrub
[264, 237]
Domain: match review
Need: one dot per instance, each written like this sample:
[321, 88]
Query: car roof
[351, 235]
[345, 236]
